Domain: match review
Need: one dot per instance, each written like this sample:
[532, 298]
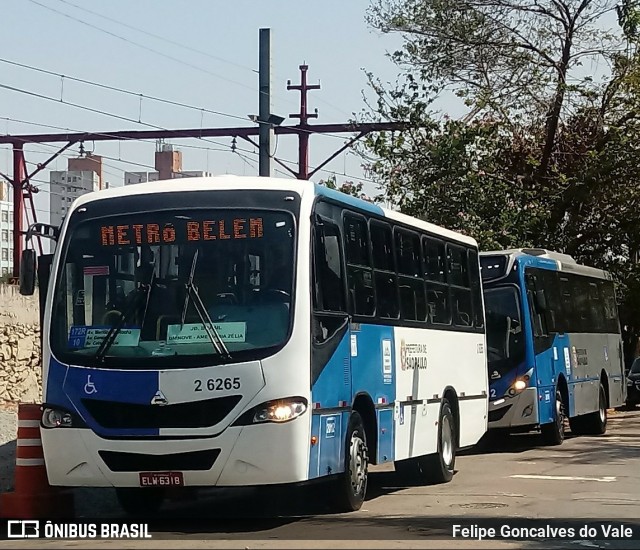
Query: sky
[205, 55]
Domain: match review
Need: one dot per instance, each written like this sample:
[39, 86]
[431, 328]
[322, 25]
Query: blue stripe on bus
[348, 200]
[68, 386]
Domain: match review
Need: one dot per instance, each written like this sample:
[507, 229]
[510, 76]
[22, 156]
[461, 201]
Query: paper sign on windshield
[88, 337]
[193, 333]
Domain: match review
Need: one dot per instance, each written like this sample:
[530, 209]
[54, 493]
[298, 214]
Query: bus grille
[135, 462]
[197, 414]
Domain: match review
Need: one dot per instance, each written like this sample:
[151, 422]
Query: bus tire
[137, 501]
[553, 433]
[594, 423]
[352, 483]
[439, 467]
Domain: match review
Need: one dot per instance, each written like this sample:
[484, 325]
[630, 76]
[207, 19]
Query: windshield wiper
[202, 312]
[141, 291]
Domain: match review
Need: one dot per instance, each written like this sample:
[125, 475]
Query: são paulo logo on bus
[412, 355]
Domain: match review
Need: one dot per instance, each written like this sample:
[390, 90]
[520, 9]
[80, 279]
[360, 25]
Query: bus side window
[538, 317]
[384, 270]
[554, 315]
[458, 269]
[568, 293]
[596, 308]
[611, 322]
[438, 303]
[412, 296]
[476, 291]
[359, 272]
[328, 278]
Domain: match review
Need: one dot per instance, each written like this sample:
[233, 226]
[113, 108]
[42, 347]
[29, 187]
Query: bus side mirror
[540, 300]
[28, 272]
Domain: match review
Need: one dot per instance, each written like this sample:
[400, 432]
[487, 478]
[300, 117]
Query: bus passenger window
[328, 279]
[385, 271]
[476, 291]
[359, 272]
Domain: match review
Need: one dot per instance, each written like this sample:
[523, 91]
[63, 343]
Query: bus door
[551, 345]
[330, 351]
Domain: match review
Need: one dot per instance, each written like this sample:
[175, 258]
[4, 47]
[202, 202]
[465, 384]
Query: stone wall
[15, 308]
[20, 371]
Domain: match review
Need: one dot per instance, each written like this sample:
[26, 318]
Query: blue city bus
[553, 343]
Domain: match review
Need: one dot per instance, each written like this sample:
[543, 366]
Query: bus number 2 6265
[217, 384]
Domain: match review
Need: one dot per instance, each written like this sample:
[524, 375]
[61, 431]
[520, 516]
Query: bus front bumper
[519, 410]
[248, 455]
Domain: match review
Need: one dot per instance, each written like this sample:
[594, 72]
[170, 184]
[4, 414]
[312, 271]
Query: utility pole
[266, 129]
[303, 115]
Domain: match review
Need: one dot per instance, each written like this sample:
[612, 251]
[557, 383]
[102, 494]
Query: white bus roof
[251, 183]
[564, 262]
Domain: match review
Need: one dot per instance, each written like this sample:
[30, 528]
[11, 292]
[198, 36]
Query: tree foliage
[547, 153]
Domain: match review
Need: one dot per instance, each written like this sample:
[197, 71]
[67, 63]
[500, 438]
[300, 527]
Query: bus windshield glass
[157, 288]
[505, 339]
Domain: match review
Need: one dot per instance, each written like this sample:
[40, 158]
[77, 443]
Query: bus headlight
[520, 384]
[59, 418]
[280, 410]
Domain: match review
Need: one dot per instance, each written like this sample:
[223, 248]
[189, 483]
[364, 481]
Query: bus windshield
[156, 288]
[505, 341]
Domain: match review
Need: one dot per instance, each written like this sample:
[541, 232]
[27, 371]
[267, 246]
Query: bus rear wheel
[140, 501]
[594, 423]
[438, 467]
[351, 486]
[553, 433]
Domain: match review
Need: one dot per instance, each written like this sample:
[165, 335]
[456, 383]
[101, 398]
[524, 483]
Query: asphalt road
[586, 479]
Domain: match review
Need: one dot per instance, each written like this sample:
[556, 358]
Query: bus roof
[543, 258]
[251, 183]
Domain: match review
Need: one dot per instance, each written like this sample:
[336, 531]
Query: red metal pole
[303, 156]
[303, 115]
[19, 174]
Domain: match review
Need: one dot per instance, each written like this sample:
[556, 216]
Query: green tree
[547, 154]
[355, 189]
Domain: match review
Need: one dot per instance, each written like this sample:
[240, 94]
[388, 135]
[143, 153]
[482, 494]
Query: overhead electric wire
[184, 46]
[128, 92]
[141, 95]
[102, 112]
[181, 61]
[158, 36]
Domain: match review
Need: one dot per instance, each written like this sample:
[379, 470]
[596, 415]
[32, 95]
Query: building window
[5, 235]
[5, 271]
[5, 216]
[5, 254]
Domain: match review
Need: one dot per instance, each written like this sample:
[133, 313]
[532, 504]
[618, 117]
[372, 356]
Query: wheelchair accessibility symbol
[89, 387]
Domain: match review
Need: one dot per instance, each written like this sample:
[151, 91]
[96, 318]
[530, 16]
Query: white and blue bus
[553, 343]
[250, 331]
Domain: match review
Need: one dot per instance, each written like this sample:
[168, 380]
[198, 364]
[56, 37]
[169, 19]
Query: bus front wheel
[140, 501]
[553, 433]
[351, 486]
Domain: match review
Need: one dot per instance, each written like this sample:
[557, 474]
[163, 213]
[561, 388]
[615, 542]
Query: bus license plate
[161, 479]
